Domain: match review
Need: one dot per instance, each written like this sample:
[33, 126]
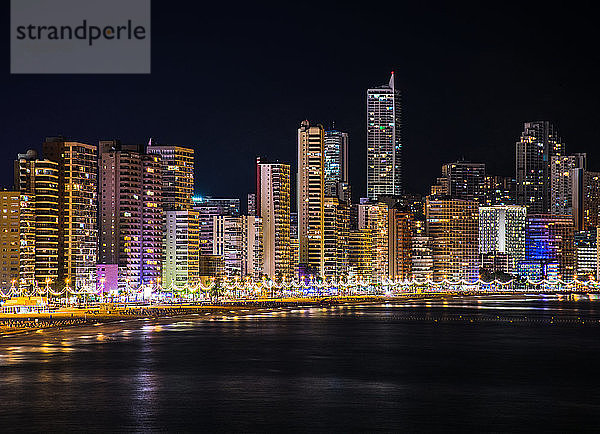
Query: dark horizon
[233, 84]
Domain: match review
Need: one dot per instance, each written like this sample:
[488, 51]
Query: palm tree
[216, 291]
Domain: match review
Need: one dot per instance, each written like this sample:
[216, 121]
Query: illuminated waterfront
[483, 363]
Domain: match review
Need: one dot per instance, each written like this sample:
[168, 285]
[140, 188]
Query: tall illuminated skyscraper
[453, 228]
[337, 225]
[336, 164]
[561, 182]
[9, 238]
[539, 142]
[374, 216]
[208, 209]
[78, 204]
[37, 181]
[311, 196]
[177, 174]
[384, 145]
[181, 262]
[549, 240]
[462, 180]
[401, 226]
[131, 214]
[502, 230]
[273, 206]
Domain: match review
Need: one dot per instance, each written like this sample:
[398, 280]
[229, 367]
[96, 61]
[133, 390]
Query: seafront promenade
[102, 313]
[60, 317]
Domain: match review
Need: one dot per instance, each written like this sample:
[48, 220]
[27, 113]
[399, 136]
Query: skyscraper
[498, 190]
[360, 254]
[384, 145]
[131, 214]
[337, 225]
[37, 182]
[463, 180]
[400, 243]
[177, 175]
[336, 163]
[78, 204]
[181, 262]
[453, 228]
[561, 182]
[273, 206]
[9, 238]
[549, 240]
[208, 208]
[311, 195]
[539, 142]
[586, 199]
[374, 216]
[502, 230]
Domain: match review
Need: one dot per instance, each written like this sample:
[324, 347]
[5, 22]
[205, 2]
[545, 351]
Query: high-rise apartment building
[498, 190]
[384, 144]
[336, 164]
[238, 241]
[502, 230]
[131, 214]
[253, 256]
[37, 182]
[586, 255]
[177, 175]
[453, 229]
[181, 249]
[208, 208]
[586, 199]
[561, 182]
[273, 207]
[400, 243]
[9, 238]
[463, 180]
[549, 240]
[422, 256]
[228, 242]
[311, 196]
[337, 225]
[78, 207]
[374, 216]
[360, 254]
[539, 142]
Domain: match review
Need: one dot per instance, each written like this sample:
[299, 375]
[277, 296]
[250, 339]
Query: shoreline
[78, 317]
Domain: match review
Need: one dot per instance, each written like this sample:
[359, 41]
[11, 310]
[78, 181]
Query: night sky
[235, 81]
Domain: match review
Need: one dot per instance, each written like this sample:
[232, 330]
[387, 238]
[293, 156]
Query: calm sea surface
[472, 364]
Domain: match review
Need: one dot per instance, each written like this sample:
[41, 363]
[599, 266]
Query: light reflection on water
[394, 366]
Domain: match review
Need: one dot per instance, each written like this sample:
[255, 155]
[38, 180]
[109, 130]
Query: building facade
[273, 202]
[181, 260]
[502, 230]
[131, 214]
[177, 175]
[336, 163]
[384, 144]
[453, 229]
[37, 181]
[561, 182]
[463, 180]
[78, 207]
[549, 239]
[311, 196]
[539, 142]
[9, 239]
[374, 216]
[208, 208]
